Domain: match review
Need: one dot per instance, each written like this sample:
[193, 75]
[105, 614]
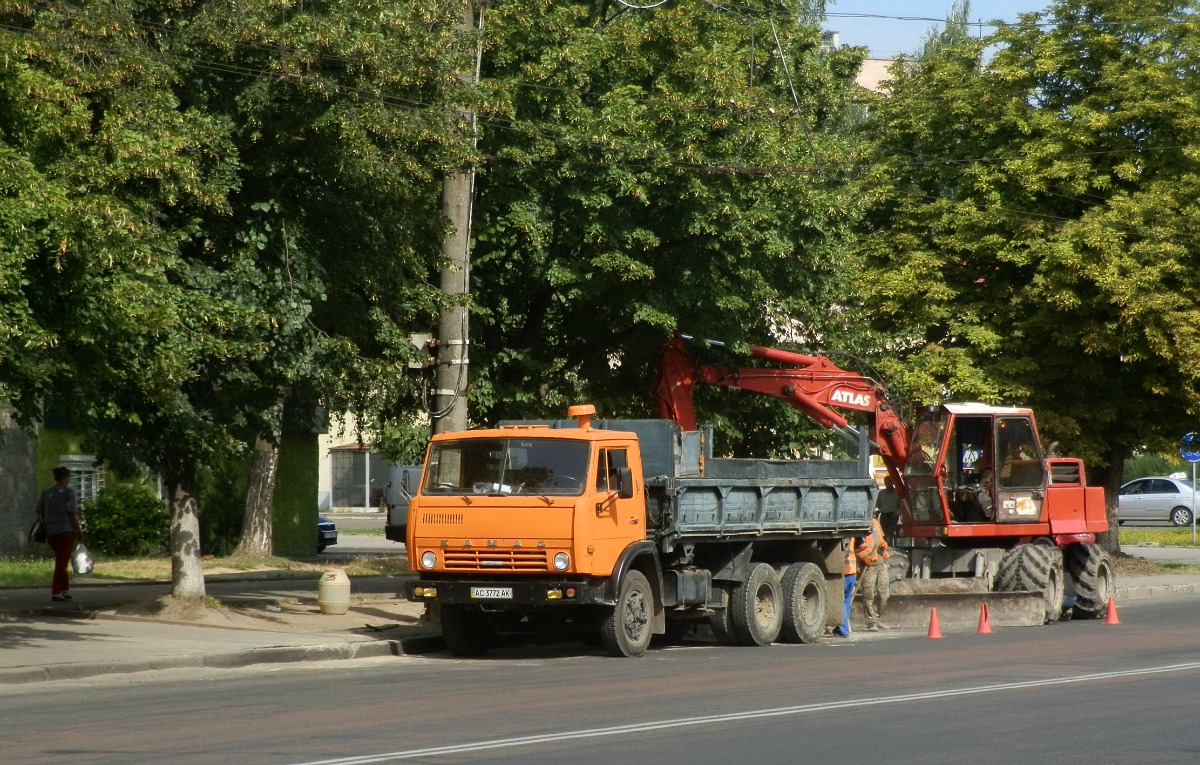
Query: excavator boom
[812, 384]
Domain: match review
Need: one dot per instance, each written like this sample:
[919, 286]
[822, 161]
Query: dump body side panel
[719, 509]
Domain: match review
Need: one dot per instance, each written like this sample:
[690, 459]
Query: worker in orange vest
[849, 573]
[872, 556]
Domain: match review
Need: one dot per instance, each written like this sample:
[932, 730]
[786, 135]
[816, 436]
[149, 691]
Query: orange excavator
[983, 507]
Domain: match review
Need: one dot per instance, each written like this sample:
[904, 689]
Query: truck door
[617, 521]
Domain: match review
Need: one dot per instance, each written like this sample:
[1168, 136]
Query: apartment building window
[87, 476]
[359, 478]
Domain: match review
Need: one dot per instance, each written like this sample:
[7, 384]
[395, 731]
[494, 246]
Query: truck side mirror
[625, 483]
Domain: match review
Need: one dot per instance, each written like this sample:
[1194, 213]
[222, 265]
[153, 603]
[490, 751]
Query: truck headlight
[428, 559]
[561, 561]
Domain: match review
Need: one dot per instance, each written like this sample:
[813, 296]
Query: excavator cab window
[969, 477]
[920, 469]
[1020, 465]
[926, 442]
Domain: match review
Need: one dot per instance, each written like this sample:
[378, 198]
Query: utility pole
[451, 376]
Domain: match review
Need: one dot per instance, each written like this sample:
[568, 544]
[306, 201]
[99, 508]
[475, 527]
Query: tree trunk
[187, 575]
[1110, 479]
[256, 541]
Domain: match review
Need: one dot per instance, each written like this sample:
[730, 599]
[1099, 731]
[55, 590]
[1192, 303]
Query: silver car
[1156, 499]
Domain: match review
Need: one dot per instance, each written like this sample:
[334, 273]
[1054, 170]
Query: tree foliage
[681, 167]
[207, 212]
[1033, 237]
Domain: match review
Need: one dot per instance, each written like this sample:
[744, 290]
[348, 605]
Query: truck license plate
[492, 593]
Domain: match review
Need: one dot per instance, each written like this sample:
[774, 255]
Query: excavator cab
[972, 464]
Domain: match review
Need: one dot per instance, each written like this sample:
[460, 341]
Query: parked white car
[1157, 499]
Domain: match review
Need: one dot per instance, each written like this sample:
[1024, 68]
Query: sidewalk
[112, 627]
[117, 628]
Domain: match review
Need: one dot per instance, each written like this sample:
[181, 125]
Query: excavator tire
[803, 587]
[1034, 568]
[756, 606]
[1090, 568]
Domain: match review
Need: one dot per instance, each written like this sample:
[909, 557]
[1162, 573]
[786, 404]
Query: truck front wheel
[465, 630]
[626, 630]
[756, 606]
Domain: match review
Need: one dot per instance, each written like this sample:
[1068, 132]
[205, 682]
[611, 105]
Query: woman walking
[60, 514]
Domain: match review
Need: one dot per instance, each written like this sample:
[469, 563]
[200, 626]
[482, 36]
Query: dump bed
[761, 500]
[694, 497]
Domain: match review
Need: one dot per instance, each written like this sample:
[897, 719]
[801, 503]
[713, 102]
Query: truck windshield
[507, 466]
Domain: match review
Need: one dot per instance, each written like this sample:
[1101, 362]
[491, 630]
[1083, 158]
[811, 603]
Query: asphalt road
[1082, 692]
[359, 544]
[357, 520]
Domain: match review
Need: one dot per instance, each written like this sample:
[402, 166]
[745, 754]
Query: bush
[1145, 464]
[127, 519]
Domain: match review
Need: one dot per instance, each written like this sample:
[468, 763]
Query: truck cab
[502, 507]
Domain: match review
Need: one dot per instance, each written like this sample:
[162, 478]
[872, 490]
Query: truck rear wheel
[721, 620]
[1034, 568]
[756, 606]
[465, 630]
[1090, 568]
[803, 587]
[626, 630]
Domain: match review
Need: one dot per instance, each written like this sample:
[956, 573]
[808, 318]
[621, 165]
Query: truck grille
[442, 519]
[495, 560]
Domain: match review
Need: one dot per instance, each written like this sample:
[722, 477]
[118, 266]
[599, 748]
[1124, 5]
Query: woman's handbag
[81, 560]
[37, 532]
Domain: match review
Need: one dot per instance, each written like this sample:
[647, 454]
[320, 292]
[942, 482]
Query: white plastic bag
[81, 560]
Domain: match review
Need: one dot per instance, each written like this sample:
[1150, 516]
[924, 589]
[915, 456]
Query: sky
[889, 28]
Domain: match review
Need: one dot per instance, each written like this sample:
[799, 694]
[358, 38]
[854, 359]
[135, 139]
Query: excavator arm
[812, 384]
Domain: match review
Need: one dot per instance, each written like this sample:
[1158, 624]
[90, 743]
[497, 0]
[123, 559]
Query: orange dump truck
[622, 530]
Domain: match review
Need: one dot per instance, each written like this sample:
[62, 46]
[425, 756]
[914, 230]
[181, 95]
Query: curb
[336, 651]
[413, 646]
[1146, 591]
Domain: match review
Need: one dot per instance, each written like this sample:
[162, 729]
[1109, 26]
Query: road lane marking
[657, 725]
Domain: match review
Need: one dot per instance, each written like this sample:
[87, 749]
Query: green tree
[114, 173]
[1032, 237]
[344, 118]
[215, 212]
[683, 166]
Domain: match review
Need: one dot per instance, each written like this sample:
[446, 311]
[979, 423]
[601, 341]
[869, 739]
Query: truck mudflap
[503, 593]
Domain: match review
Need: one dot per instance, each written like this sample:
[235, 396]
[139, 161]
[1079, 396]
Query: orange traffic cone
[1112, 612]
[935, 629]
[985, 623]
